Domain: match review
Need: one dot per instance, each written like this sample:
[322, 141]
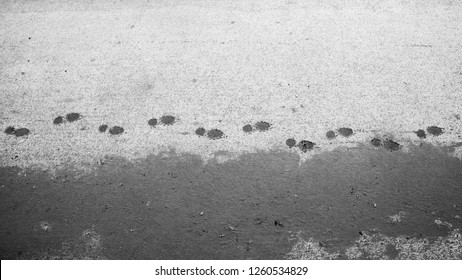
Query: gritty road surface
[229, 129]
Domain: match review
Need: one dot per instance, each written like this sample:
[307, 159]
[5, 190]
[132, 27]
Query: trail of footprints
[214, 133]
